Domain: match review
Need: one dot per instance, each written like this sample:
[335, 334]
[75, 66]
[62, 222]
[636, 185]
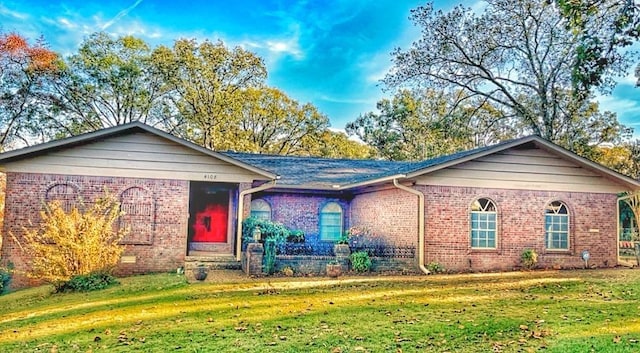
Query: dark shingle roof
[314, 172]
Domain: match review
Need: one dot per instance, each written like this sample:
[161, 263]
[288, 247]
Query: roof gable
[167, 143]
[515, 164]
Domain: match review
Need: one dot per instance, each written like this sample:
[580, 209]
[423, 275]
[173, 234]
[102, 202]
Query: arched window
[66, 194]
[483, 224]
[331, 222]
[260, 209]
[139, 210]
[556, 225]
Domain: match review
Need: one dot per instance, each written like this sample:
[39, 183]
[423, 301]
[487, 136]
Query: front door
[209, 213]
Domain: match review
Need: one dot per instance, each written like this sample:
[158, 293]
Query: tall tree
[24, 72]
[416, 125]
[604, 28]
[271, 122]
[206, 83]
[108, 82]
[517, 55]
[336, 144]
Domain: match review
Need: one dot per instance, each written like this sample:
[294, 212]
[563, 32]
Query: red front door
[209, 213]
[210, 224]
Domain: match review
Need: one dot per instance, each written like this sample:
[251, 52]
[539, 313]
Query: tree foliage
[108, 82]
[78, 242]
[271, 122]
[623, 158]
[24, 71]
[416, 125]
[206, 83]
[604, 28]
[518, 56]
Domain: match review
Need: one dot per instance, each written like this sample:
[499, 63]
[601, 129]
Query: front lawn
[566, 311]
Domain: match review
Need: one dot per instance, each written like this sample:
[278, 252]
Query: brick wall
[25, 197]
[302, 211]
[391, 213]
[592, 219]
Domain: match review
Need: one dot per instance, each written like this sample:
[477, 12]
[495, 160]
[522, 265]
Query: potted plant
[334, 269]
[200, 272]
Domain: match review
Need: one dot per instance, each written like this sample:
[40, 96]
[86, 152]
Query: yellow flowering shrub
[76, 242]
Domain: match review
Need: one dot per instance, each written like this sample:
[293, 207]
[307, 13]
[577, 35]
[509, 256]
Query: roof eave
[111, 131]
[372, 181]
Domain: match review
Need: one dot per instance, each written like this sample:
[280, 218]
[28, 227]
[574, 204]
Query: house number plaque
[210, 177]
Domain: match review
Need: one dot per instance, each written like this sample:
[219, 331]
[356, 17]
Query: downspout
[420, 223]
[241, 212]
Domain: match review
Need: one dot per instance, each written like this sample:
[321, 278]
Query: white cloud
[67, 24]
[4, 11]
[347, 100]
[120, 15]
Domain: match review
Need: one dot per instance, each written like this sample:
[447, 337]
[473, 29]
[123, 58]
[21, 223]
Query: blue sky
[329, 53]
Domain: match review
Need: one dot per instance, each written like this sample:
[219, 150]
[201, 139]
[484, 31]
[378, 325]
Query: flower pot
[341, 250]
[334, 270]
[200, 273]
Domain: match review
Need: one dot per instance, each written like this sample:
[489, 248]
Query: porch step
[212, 261]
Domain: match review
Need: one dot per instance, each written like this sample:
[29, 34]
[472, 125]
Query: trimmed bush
[360, 261]
[5, 278]
[435, 267]
[87, 283]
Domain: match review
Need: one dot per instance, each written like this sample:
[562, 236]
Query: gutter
[240, 214]
[420, 223]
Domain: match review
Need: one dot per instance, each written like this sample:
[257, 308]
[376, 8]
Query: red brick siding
[301, 211]
[391, 213]
[26, 192]
[520, 226]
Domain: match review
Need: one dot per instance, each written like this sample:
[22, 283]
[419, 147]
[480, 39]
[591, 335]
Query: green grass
[566, 311]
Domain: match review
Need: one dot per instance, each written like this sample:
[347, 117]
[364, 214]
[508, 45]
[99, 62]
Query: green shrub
[435, 267]
[86, 283]
[273, 234]
[360, 261]
[5, 278]
[268, 229]
[529, 259]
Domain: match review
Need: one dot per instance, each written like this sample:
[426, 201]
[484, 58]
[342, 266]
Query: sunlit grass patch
[504, 312]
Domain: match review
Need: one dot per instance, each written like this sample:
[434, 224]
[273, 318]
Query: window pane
[483, 224]
[331, 222]
[557, 226]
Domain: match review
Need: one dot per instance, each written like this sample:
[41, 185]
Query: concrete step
[212, 262]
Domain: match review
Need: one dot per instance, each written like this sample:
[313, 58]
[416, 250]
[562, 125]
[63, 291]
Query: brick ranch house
[471, 211]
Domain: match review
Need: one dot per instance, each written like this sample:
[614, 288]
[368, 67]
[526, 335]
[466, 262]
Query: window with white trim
[556, 225]
[260, 209]
[331, 222]
[483, 224]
